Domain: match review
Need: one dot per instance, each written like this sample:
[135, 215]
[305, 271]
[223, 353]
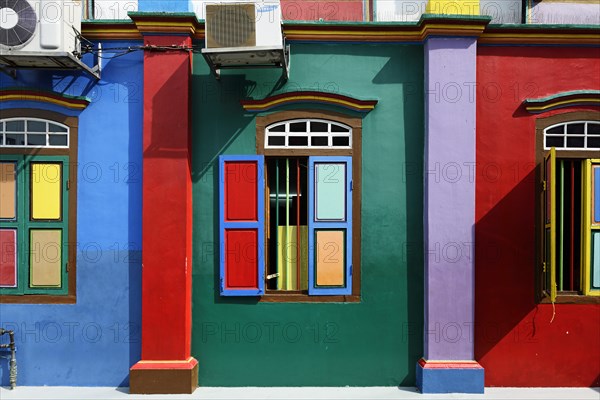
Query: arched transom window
[308, 133]
[33, 132]
[577, 135]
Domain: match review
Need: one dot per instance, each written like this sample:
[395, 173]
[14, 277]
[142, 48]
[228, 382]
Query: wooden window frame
[541, 125]
[70, 154]
[355, 152]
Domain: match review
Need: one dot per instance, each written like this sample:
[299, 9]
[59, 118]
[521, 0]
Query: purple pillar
[448, 362]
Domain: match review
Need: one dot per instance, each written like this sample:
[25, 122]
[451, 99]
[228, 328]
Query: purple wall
[449, 197]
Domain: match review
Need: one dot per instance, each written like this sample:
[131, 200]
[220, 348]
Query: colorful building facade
[415, 204]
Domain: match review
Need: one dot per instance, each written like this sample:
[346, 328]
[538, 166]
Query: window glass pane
[337, 128]
[593, 129]
[298, 141]
[15, 139]
[36, 126]
[46, 182]
[57, 140]
[330, 191]
[15, 126]
[341, 141]
[36, 139]
[8, 190]
[1, 139]
[298, 127]
[575, 141]
[319, 141]
[575, 129]
[278, 128]
[8, 257]
[557, 130]
[45, 257]
[56, 128]
[596, 194]
[593, 142]
[330, 250]
[318, 126]
[553, 141]
[276, 140]
[595, 270]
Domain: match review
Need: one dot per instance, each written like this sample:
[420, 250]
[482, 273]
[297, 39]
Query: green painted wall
[239, 342]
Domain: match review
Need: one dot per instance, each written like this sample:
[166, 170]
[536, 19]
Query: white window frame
[564, 135]
[308, 133]
[48, 133]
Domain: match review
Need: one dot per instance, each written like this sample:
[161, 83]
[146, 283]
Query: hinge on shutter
[67, 267]
[544, 267]
[350, 269]
[275, 275]
[544, 186]
[68, 184]
[351, 185]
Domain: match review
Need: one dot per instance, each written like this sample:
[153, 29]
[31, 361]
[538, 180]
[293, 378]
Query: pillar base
[164, 377]
[450, 377]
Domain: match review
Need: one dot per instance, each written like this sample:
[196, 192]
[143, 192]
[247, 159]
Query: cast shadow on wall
[505, 265]
[212, 137]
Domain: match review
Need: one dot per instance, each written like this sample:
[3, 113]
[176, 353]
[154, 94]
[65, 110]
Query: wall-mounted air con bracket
[10, 61]
[248, 57]
[54, 61]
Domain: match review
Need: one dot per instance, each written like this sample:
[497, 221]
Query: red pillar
[166, 365]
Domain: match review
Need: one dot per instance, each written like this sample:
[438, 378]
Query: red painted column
[166, 365]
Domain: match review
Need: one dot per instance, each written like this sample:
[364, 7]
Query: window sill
[572, 299]
[37, 299]
[299, 297]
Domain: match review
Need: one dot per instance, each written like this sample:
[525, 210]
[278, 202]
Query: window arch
[33, 133]
[312, 133]
[573, 135]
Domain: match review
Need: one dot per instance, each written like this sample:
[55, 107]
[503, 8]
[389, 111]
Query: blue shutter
[241, 228]
[330, 226]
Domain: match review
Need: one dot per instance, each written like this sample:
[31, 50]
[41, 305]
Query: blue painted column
[448, 361]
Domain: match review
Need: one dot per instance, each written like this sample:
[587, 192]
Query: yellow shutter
[550, 224]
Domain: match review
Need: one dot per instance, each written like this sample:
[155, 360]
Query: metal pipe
[13, 356]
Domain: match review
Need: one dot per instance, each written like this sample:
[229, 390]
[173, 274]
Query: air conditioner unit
[40, 34]
[243, 24]
[243, 34]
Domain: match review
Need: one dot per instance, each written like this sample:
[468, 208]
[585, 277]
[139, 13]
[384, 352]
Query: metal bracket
[97, 69]
[10, 72]
[286, 61]
[250, 57]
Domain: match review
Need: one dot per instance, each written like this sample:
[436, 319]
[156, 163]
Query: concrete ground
[295, 393]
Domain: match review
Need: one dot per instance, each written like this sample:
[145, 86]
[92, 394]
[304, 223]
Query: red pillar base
[164, 377]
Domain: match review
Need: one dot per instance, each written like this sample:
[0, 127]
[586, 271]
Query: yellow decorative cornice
[575, 98]
[308, 97]
[20, 94]
[370, 32]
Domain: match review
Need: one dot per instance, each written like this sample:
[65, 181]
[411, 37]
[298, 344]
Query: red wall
[514, 339]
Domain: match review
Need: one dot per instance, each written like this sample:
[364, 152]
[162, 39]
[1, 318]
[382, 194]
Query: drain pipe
[13, 357]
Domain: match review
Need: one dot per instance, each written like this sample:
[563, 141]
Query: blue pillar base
[450, 377]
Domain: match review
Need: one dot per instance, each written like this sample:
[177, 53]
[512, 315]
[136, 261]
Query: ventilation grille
[230, 25]
[17, 24]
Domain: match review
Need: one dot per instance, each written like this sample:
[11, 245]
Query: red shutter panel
[241, 214]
